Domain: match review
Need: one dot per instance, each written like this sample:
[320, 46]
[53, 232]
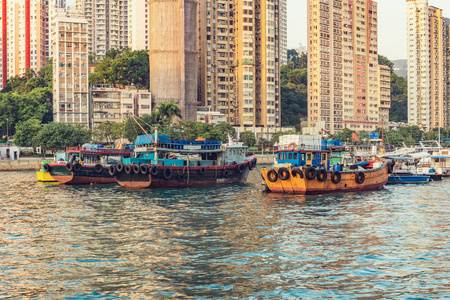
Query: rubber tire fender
[272, 175]
[226, 173]
[127, 169]
[167, 173]
[202, 171]
[120, 167]
[181, 176]
[76, 167]
[69, 167]
[322, 175]
[283, 173]
[112, 170]
[136, 169]
[143, 169]
[360, 177]
[241, 168]
[296, 171]
[251, 165]
[335, 179]
[310, 173]
[98, 168]
[154, 170]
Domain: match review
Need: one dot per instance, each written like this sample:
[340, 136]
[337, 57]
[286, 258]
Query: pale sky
[391, 25]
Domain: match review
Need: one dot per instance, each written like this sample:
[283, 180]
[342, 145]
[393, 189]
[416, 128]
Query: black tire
[241, 168]
[143, 169]
[296, 171]
[202, 171]
[168, 173]
[127, 169]
[76, 167]
[310, 173]
[251, 165]
[136, 169]
[226, 173]
[181, 176]
[98, 168]
[154, 170]
[47, 168]
[322, 175]
[120, 167]
[336, 177]
[390, 167]
[360, 177]
[69, 167]
[112, 170]
[284, 174]
[272, 175]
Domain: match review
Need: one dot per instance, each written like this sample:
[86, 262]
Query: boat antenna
[129, 114]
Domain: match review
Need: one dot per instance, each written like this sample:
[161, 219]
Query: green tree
[55, 135]
[168, 110]
[221, 131]
[248, 138]
[108, 132]
[25, 131]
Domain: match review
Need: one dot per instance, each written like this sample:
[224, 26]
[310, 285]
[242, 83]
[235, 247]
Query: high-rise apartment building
[343, 64]
[107, 24]
[283, 31]
[70, 68]
[384, 94]
[50, 12]
[428, 53]
[138, 31]
[240, 61]
[23, 36]
[173, 54]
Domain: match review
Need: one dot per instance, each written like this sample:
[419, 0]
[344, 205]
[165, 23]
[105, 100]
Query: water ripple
[233, 242]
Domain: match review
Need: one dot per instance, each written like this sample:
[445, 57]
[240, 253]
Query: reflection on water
[221, 242]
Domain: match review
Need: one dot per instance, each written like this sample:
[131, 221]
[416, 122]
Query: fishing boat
[86, 165]
[305, 171]
[407, 178]
[159, 162]
[42, 175]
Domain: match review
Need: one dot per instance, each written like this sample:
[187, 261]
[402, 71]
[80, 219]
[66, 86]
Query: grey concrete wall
[19, 165]
[265, 159]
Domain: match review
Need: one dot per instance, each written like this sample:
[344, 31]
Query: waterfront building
[384, 84]
[138, 31]
[22, 38]
[107, 24]
[428, 55]
[112, 104]
[283, 31]
[343, 64]
[240, 61]
[70, 67]
[173, 54]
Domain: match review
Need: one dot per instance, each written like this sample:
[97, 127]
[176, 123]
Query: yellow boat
[309, 172]
[42, 175]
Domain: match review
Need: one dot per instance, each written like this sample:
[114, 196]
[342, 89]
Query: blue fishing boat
[407, 178]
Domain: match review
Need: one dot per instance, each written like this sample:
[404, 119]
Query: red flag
[355, 137]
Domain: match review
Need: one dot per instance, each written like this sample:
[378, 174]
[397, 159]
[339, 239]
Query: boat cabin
[299, 158]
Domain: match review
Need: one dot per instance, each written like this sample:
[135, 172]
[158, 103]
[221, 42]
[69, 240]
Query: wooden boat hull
[44, 177]
[86, 175]
[374, 179]
[407, 179]
[183, 177]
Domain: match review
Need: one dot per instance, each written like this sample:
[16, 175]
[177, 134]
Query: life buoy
[283, 173]
[143, 169]
[98, 168]
[296, 171]
[181, 176]
[112, 170]
[272, 175]
[360, 177]
[120, 167]
[322, 175]
[136, 169]
[292, 146]
[127, 169]
[226, 173]
[241, 168]
[336, 177]
[202, 171]
[76, 167]
[167, 173]
[310, 173]
[69, 167]
[154, 170]
[223, 148]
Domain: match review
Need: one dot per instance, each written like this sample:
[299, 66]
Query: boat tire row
[310, 174]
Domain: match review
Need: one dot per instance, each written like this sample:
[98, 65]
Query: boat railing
[98, 151]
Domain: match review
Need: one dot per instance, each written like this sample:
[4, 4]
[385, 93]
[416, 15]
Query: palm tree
[168, 110]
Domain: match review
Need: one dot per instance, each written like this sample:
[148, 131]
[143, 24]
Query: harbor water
[234, 242]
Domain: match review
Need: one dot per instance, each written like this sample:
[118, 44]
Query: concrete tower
[173, 52]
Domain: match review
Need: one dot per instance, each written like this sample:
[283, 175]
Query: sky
[391, 25]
